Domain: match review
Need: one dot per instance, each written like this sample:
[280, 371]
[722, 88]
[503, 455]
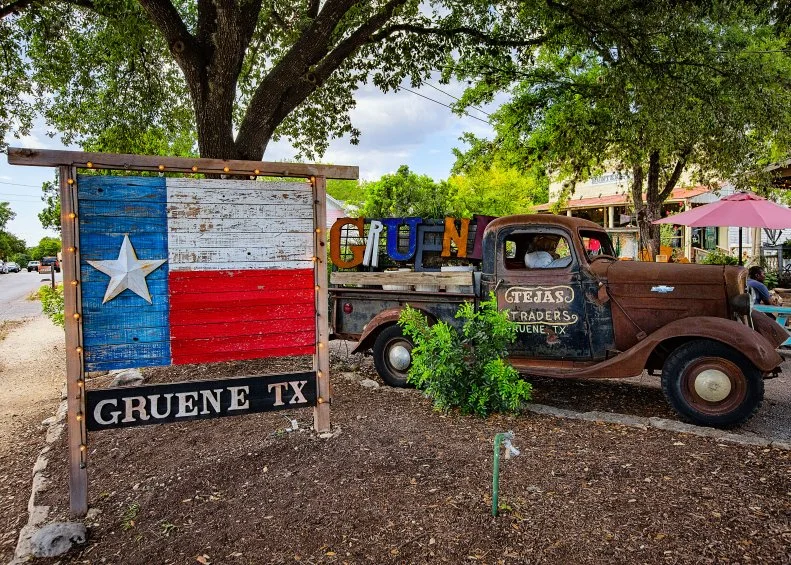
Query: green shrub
[52, 303]
[770, 279]
[466, 370]
[717, 257]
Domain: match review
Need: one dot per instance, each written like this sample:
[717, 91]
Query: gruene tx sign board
[162, 270]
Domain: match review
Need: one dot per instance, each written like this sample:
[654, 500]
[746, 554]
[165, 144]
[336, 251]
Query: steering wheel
[593, 258]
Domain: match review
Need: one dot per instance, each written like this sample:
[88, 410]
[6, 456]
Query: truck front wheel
[711, 384]
[393, 356]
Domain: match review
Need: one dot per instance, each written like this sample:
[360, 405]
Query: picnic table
[781, 314]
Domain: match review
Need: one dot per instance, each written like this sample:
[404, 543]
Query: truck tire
[393, 356]
[711, 384]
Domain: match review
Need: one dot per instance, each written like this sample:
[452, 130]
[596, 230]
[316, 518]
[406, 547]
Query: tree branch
[14, 7]
[674, 176]
[461, 30]
[181, 42]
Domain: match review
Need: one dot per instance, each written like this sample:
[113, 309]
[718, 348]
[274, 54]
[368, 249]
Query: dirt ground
[32, 369]
[399, 483]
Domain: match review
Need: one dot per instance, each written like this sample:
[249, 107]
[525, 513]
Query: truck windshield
[596, 243]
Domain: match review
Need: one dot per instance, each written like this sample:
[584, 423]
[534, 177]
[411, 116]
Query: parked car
[51, 262]
[3, 268]
[12, 267]
[32, 266]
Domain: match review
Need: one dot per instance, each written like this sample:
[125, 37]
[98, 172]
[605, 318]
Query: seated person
[537, 259]
[755, 283]
[560, 262]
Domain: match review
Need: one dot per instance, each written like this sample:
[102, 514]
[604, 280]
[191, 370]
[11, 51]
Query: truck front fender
[750, 343]
[740, 337]
[755, 347]
[382, 320]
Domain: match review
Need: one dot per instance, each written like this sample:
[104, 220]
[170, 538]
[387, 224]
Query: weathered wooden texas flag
[194, 271]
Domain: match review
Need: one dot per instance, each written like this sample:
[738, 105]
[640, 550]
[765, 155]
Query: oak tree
[671, 89]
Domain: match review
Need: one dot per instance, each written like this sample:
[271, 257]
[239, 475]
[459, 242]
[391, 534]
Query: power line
[4, 194]
[456, 98]
[17, 184]
[442, 104]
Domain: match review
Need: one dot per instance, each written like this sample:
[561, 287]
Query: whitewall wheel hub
[712, 385]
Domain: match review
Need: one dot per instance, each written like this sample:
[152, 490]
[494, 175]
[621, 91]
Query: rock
[369, 383]
[613, 418]
[126, 377]
[92, 514]
[49, 421]
[57, 538]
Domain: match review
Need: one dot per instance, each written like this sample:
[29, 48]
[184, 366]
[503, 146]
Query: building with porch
[606, 200]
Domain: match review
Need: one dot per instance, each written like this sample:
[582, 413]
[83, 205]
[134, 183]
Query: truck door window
[528, 251]
[596, 243]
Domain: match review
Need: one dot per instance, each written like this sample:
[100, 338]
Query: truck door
[539, 284]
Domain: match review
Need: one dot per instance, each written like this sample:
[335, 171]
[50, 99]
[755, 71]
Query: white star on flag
[127, 272]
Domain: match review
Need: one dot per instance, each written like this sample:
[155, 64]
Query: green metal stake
[498, 438]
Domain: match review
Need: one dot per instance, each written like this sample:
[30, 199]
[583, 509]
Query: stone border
[658, 423]
[37, 515]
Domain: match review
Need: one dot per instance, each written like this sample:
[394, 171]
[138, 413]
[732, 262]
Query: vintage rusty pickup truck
[581, 313]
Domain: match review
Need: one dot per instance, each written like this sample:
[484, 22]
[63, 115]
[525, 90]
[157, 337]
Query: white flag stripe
[224, 240]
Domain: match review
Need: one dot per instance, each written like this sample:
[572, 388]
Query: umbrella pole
[741, 262]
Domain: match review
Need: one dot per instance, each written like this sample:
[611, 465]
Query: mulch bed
[400, 483]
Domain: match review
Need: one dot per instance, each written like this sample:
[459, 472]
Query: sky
[399, 128]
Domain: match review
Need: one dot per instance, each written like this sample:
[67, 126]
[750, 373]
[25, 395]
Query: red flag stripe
[239, 315]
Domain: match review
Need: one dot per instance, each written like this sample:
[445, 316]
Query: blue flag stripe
[127, 331]
[109, 188]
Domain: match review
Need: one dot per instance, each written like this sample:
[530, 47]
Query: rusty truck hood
[647, 296]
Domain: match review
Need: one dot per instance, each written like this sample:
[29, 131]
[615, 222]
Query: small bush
[52, 303]
[717, 257]
[466, 370]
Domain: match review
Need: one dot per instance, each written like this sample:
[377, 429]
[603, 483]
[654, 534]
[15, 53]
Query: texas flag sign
[185, 270]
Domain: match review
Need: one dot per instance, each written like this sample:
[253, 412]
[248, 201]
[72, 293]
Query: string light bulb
[161, 167]
[79, 417]
[70, 181]
[80, 383]
[194, 168]
[72, 215]
[83, 448]
[226, 169]
[76, 316]
[257, 172]
[74, 283]
[78, 349]
[320, 400]
[318, 287]
[89, 165]
[321, 345]
[71, 249]
[318, 230]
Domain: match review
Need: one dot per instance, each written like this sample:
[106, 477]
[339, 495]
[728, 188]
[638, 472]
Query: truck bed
[365, 303]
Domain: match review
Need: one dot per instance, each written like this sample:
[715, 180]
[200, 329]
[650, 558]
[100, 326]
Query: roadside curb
[657, 423]
[37, 514]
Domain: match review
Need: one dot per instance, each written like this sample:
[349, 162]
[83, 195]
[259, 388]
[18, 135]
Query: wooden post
[75, 375]
[321, 360]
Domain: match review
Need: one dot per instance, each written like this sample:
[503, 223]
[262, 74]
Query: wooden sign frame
[67, 163]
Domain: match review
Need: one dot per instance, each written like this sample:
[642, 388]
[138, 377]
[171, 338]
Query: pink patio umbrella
[742, 210]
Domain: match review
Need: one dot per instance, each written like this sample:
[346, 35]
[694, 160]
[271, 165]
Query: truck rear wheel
[393, 356]
[711, 384]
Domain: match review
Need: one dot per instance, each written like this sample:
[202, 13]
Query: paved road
[15, 288]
